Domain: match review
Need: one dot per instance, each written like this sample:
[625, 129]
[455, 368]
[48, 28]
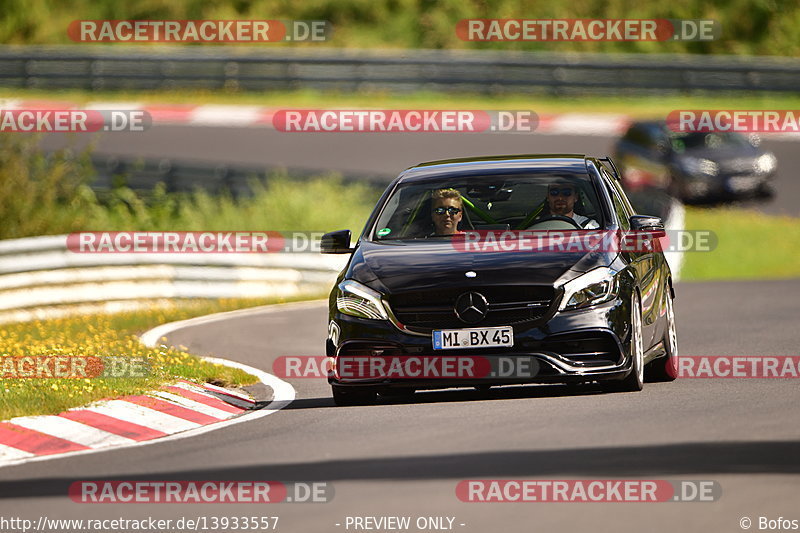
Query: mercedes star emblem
[471, 307]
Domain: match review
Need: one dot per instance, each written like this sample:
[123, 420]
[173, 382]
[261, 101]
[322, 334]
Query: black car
[416, 289]
[694, 166]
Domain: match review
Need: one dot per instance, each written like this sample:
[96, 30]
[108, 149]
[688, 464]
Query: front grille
[737, 166]
[508, 306]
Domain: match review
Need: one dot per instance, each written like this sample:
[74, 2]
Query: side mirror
[649, 224]
[336, 242]
[644, 222]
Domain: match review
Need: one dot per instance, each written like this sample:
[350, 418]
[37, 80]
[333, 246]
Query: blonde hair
[442, 194]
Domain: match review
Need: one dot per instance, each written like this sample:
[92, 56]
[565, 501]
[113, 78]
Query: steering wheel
[554, 222]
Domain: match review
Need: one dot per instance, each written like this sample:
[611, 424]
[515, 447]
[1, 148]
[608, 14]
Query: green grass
[751, 245]
[634, 106]
[97, 335]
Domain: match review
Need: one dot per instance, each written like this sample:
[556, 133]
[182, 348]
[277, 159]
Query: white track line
[283, 392]
[70, 430]
[151, 338]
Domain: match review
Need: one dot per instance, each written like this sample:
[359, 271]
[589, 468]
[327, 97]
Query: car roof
[500, 164]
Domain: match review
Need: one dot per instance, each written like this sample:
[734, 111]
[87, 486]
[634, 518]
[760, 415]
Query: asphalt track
[383, 155]
[405, 459]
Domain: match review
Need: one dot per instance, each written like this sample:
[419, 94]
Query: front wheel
[634, 381]
[344, 396]
[666, 368]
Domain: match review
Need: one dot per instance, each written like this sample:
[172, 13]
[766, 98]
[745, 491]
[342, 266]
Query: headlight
[765, 163]
[699, 165]
[594, 287]
[355, 299]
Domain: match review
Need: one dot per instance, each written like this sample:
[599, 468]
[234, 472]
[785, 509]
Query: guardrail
[96, 67]
[40, 272]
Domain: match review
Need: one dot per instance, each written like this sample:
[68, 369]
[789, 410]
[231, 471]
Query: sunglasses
[563, 192]
[452, 211]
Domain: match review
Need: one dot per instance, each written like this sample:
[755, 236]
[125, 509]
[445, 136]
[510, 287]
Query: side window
[623, 197]
[619, 206]
[622, 214]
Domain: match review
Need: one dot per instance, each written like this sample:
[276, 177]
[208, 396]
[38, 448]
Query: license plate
[451, 339]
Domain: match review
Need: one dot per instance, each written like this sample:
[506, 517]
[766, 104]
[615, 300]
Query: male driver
[561, 199]
[446, 209]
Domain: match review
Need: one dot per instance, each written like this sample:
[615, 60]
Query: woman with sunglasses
[446, 211]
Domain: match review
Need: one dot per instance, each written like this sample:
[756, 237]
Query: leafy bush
[46, 194]
[769, 27]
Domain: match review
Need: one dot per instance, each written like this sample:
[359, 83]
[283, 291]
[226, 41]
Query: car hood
[392, 266]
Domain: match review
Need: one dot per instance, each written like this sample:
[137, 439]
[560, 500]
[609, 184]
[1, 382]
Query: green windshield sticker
[384, 232]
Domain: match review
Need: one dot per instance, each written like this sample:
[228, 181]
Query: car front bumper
[570, 347]
[725, 186]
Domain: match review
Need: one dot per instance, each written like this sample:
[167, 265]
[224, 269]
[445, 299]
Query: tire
[666, 368]
[634, 381]
[344, 396]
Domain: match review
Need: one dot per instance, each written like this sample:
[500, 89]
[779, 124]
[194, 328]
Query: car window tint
[619, 207]
[623, 197]
[491, 201]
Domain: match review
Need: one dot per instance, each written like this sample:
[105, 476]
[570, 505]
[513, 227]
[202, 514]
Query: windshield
[447, 206]
[715, 140]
